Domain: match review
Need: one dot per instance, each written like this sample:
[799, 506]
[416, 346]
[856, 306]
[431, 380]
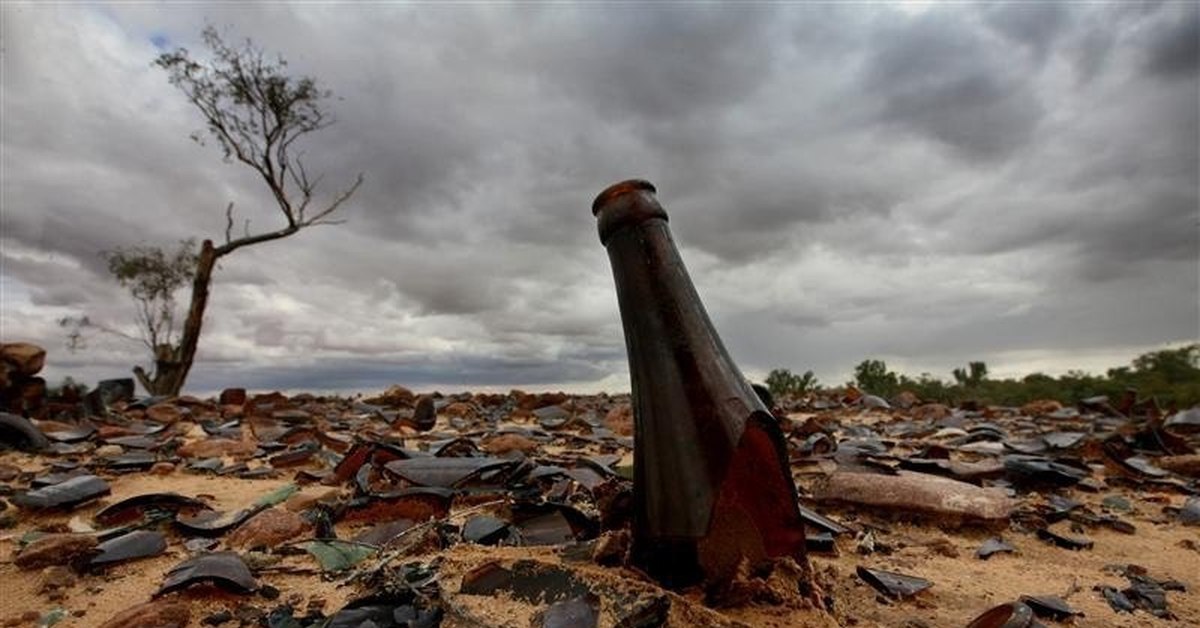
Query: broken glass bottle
[712, 485]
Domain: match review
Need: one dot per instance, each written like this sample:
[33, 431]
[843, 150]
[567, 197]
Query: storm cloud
[1009, 182]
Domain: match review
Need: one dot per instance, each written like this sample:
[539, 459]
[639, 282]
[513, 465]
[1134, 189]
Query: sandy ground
[99, 597]
[964, 586]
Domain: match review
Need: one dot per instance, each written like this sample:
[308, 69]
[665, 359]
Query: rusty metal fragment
[712, 485]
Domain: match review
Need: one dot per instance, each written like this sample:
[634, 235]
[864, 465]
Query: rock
[395, 396]
[268, 528]
[931, 412]
[28, 618]
[304, 500]
[9, 472]
[56, 549]
[109, 451]
[1187, 465]
[620, 420]
[218, 618]
[292, 415]
[1041, 407]
[105, 432]
[55, 578]
[232, 397]
[533, 402]
[26, 359]
[156, 614]
[506, 443]
[162, 468]
[25, 396]
[612, 548]
[111, 391]
[916, 493]
[166, 413]
[460, 410]
[217, 447]
[906, 400]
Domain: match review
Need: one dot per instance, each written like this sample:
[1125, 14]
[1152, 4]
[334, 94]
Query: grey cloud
[941, 78]
[1174, 45]
[1033, 25]
[654, 62]
[842, 181]
[453, 373]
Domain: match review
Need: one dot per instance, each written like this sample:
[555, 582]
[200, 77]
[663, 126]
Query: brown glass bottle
[712, 484]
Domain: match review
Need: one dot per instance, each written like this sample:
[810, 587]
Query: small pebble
[162, 468]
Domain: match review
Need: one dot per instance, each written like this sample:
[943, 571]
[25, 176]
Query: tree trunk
[172, 366]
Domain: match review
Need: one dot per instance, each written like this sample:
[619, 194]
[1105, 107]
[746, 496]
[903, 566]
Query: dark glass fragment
[484, 530]
[1063, 541]
[820, 521]
[446, 472]
[20, 433]
[224, 569]
[820, 542]
[993, 545]
[213, 523]
[1034, 470]
[579, 612]
[382, 534]
[74, 435]
[1116, 599]
[1049, 606]
[136, 544]
[134, 508]
[1011, 615]
[892, 584]
[416, 504]
[528, 581]
[68, 494]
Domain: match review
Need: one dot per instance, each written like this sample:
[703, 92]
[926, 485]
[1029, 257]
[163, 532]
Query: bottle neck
[688, 394]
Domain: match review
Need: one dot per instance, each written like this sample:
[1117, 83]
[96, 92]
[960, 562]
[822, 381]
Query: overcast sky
[1012, 182]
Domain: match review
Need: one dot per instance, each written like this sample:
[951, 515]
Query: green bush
[1172, 376]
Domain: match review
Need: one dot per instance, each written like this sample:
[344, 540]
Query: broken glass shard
[67, 494]
[1064, 541]
[1049, 606]
[993, 545]
[1012, 615]
[136, 544]
[335, 555]
[892, 584]
[224, 569]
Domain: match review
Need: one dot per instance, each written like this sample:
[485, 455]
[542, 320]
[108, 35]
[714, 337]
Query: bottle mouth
[617, 189]
[625, 204]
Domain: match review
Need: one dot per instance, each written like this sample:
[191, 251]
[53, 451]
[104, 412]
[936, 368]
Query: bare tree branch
[255, 111]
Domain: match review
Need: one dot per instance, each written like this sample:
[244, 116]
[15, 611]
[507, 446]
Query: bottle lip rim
[619, 189]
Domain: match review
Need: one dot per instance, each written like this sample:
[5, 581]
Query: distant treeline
[1171, 376]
